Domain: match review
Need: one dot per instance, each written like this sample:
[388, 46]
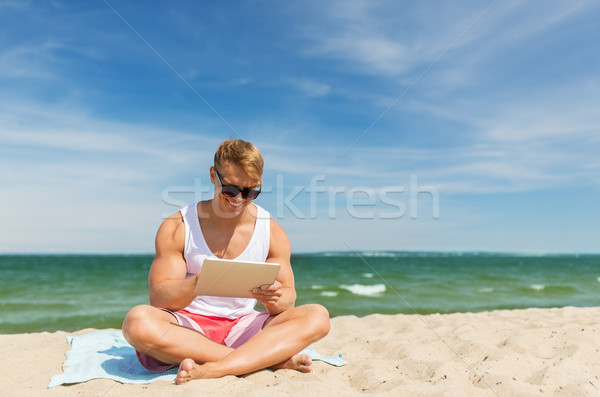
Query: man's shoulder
[172, 227]
[173, 219]
[259, 212]
[278, 235]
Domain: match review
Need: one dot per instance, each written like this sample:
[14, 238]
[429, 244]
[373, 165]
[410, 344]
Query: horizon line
[329, 252]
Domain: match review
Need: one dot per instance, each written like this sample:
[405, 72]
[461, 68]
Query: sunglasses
[233, 191]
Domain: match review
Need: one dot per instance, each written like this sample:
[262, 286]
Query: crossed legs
[157, 333]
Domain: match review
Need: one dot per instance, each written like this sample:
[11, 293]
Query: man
[210, 337]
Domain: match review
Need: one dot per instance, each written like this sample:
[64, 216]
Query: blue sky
[438, 126]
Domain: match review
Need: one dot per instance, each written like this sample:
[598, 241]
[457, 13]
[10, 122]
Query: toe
[304, 359]
[183, 375]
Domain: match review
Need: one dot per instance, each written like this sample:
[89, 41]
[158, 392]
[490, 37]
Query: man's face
[232, 175]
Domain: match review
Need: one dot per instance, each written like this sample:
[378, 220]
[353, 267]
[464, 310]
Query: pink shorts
[228, 332]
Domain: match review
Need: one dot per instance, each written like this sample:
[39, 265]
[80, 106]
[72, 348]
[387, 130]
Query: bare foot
[299, 362]
[188, 370]
[185, 369]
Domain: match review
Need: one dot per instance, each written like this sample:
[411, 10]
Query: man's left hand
[268, 294]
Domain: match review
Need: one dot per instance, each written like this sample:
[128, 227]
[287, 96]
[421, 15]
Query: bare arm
[281, 295]
[169, 288]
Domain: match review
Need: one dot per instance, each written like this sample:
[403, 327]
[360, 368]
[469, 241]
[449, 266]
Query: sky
[385, 125]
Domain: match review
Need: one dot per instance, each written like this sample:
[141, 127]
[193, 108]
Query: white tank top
[196, 251]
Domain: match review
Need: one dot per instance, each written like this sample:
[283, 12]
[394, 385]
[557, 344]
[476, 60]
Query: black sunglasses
[233, 191]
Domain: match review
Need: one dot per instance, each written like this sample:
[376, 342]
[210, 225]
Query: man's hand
[268, 295]
[281, 295]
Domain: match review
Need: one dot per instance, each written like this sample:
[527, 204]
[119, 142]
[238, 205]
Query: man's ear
[212, 174]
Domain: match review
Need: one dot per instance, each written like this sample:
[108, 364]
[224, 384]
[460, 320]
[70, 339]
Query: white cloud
[72, 178]
[73, 129]
[310, 87]
[509, 36]
[377, 54]
[387, 38]
[534, 118]
[26, 61]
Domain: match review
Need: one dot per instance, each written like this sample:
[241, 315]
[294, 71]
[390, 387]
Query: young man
[210, 337]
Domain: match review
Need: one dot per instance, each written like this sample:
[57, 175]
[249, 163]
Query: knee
[319, 317]
[136, 324]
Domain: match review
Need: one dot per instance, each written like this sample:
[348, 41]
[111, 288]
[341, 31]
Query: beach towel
[107, 355]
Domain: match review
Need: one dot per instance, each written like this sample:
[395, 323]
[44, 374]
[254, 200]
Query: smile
[235, 205]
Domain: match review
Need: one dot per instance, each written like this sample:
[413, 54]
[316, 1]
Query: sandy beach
[532, 352]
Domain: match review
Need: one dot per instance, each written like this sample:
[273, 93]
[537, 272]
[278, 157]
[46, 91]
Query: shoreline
[502, 352]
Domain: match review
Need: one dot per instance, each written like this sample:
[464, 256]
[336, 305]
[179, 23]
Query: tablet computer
[234, 278]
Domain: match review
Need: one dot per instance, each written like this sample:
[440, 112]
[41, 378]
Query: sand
[532, 352]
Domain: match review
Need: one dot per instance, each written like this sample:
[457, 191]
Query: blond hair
[243, 154]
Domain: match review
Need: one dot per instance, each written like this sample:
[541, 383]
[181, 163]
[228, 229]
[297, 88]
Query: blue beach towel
[107, 355]
[104, 355]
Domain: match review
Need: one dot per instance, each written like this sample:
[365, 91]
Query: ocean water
[70, 292]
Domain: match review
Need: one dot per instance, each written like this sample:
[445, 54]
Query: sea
[70, 292]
